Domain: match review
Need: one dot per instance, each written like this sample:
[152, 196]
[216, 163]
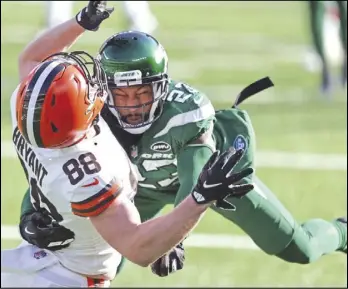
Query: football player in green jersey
[170, 130]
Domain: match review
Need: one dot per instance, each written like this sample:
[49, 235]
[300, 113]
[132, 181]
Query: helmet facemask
[159, 86]
[92, 70]
[97, 85]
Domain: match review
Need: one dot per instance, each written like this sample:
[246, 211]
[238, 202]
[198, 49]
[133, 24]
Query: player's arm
[190, 161]
[144, 243]
[61, 37]
[240, 133]
[195, 140]
[39, 229]
[118, 222]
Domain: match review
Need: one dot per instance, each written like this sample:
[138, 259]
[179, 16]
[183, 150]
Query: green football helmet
[135, 58]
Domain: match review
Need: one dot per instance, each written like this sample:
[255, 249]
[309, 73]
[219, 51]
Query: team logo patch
[240, 143]
[161, 147]
[40, 254]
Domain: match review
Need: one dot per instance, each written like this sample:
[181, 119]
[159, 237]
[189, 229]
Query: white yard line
[303, 161]
[266, 159]
[218, 241]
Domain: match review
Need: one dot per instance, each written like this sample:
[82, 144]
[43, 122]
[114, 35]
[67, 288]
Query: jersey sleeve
[94, 196]
[233, 127]
[189, 113]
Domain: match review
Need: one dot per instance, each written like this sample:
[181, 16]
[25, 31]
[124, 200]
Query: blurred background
[220, 48]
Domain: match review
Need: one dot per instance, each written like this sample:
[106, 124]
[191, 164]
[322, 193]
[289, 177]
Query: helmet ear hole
[53, 100]
[76, 80]
[54, 128]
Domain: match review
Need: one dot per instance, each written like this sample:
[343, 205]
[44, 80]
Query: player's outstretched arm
[191, 160]
[144, 243]
[61, 37]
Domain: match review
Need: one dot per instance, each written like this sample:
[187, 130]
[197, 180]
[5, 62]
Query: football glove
[91, 16]
[39, 229]
[170, 262]
[218, 181]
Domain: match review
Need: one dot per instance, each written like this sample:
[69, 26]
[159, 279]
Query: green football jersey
[187, 113]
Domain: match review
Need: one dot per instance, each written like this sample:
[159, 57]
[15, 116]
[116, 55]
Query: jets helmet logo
[127, 78]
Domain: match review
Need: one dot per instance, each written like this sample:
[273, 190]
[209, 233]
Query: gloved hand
[39, 229]
[95, 13]
[218, 180]
[170, 262]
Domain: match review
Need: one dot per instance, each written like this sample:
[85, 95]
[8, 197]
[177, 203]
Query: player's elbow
[140, 260]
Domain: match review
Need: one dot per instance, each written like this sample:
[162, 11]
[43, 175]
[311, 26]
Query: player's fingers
[241, 190]
[225, 205]
[224, 157]
[236, 177]
[41, 219]
[232, 158]
[98, 3]
[45, 232]
[213, 158]
[110, 10]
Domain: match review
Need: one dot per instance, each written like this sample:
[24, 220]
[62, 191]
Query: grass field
[220, 47]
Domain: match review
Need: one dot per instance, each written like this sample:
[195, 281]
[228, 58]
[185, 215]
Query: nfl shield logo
[134, 151]
[240, 143]
[40, 254]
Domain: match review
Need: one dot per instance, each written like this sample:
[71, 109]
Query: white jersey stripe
[33, 100]
[196, 115]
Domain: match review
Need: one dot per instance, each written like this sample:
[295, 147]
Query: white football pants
[29, 266]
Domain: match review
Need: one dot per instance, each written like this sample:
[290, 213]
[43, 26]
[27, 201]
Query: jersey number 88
[76, 169]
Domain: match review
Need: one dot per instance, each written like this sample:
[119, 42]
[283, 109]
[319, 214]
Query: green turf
[221, 48]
